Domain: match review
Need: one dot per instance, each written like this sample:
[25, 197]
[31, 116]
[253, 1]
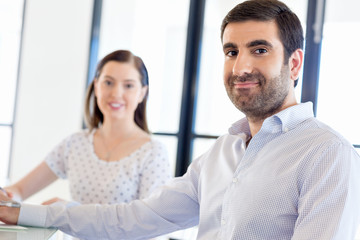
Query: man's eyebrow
[229, 45]
[259, 42]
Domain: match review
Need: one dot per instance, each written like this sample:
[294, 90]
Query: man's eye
[260, 51]
[231, 53]
[129, 85]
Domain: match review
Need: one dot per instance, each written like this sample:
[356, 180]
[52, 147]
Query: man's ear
[295, 63]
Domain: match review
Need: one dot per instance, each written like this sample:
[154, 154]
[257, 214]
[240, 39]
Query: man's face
[256, 79]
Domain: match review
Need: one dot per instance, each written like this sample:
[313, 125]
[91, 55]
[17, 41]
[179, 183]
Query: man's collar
[285, 120]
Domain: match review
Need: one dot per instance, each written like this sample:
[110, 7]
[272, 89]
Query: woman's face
[119, 91]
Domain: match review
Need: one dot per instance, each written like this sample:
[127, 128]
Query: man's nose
[242, 65]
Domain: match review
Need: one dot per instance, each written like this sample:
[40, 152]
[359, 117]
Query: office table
[30, 233]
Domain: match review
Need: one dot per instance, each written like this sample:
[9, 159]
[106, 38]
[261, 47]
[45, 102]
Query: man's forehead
[248, 31]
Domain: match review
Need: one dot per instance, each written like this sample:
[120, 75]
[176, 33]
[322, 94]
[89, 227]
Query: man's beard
[267, 98]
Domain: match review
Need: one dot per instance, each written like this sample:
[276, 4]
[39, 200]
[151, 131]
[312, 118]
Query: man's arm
[329, 198]
[8, 215]
[170, 208]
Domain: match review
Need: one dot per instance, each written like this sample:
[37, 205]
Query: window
[157, 36]
[11, 16]
[339, 82]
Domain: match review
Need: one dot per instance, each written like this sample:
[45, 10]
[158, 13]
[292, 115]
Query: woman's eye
[260, 51]
[129, 85]
[108, 83]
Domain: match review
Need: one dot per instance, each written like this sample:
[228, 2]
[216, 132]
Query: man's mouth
[246, 84]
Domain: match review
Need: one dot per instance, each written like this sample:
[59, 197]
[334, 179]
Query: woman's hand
[53, 200]
[6, 192]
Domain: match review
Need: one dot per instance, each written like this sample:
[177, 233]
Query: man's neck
[255, 126]
[255, 122]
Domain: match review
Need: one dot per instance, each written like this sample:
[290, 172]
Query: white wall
[53, 71]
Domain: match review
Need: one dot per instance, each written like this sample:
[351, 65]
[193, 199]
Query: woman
[115, 159]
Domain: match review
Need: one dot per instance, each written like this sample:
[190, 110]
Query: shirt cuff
[32, 215]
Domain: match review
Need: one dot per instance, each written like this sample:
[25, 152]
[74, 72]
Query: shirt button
[234, 180]
[223, 222]
[286, 129]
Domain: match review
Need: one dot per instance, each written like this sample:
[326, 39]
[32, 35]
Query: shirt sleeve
[35, 215]
[156, 170]
[329, 198]
[57, 158]
[169, 208]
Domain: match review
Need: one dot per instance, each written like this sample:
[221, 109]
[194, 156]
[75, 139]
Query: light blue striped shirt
[297, 179]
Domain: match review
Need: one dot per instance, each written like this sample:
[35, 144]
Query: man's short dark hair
[290, 29]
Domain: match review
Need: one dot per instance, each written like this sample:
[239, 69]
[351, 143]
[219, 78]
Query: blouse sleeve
[58, 157]
[156, 170]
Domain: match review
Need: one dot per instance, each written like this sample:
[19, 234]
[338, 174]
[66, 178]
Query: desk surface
[28, 234]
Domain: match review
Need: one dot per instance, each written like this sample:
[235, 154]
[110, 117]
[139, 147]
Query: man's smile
[239, 85]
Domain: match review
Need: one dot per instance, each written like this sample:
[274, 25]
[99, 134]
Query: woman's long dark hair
[93, 116]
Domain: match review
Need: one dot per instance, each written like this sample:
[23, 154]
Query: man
[278, 174]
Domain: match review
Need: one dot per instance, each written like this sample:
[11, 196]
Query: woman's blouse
[93, 180]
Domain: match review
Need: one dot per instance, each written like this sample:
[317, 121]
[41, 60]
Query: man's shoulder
[317, 132]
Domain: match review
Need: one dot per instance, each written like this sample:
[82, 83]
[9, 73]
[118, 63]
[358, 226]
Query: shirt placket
[230, 193]
[228, 199]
